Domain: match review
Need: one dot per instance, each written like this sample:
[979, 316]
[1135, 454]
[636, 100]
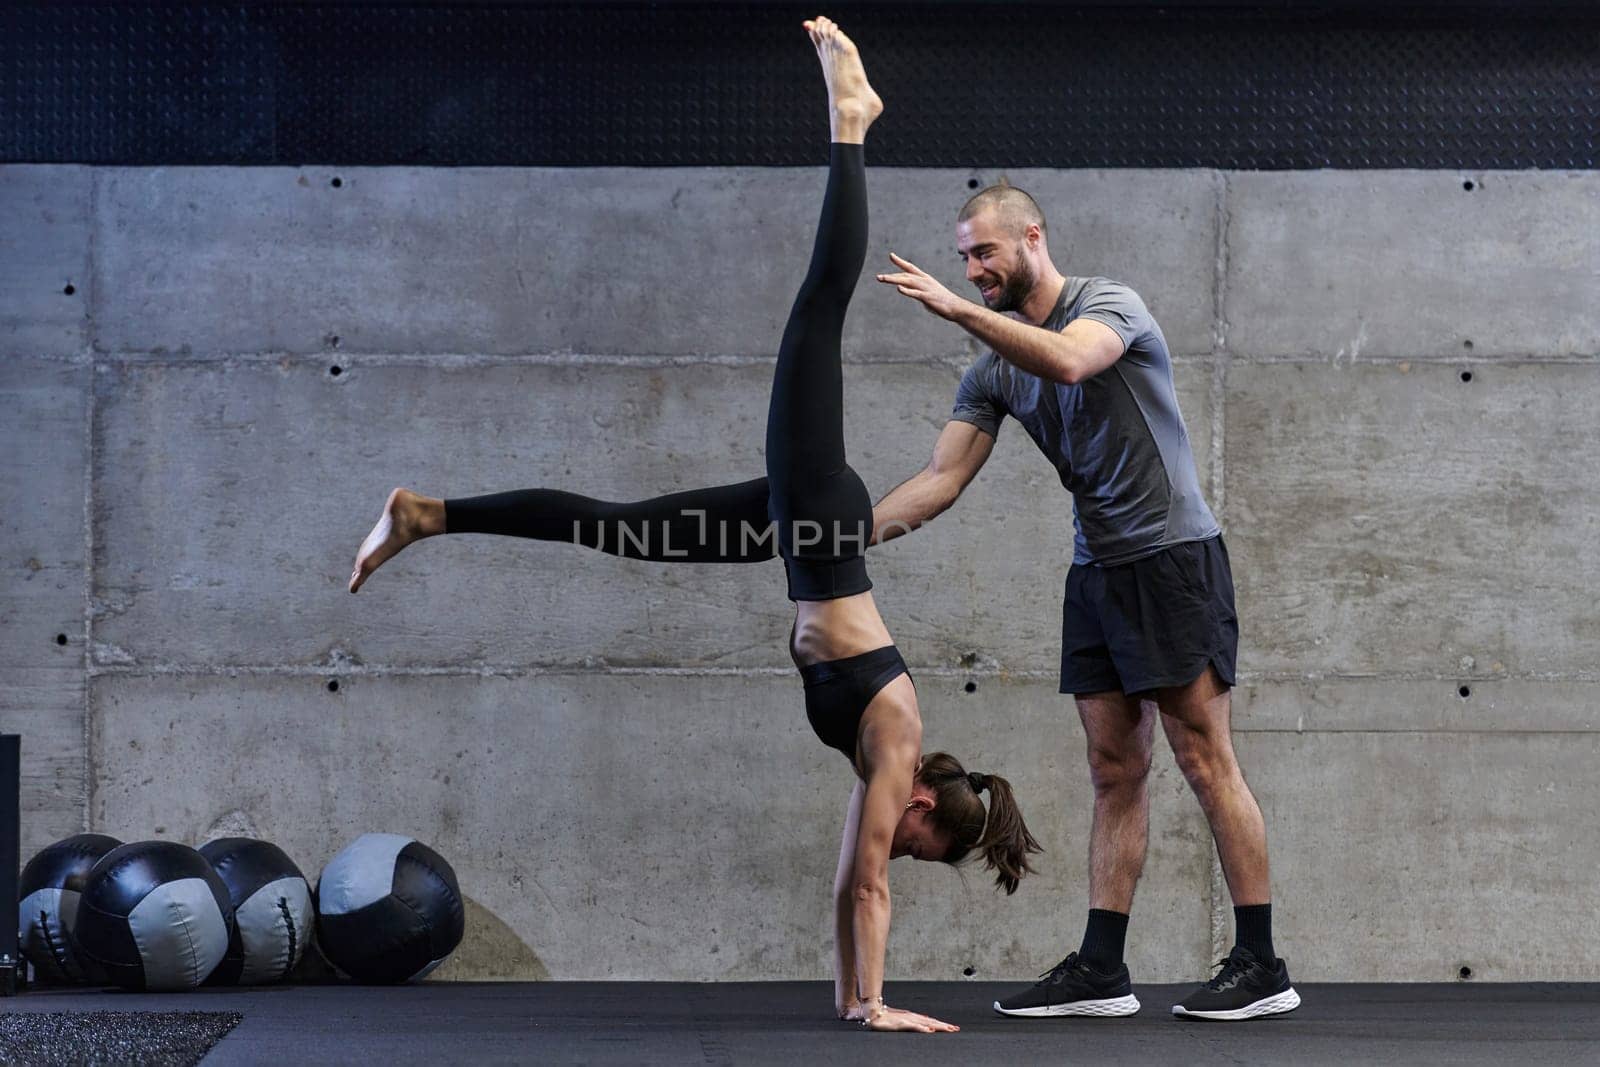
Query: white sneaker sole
[1096, 1008]
[1276, 1004]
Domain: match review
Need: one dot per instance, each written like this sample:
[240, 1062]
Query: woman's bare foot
[852, 105]
[407, 517]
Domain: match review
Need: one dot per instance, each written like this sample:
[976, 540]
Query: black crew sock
[1253, 926]
[1103, 940]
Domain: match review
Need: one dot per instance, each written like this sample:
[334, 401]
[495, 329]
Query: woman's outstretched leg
[853, 105]
[406, 517]
[822, 510]
[810, 482]
[721, 524]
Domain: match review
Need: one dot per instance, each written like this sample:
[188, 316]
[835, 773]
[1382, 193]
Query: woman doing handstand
[859, 697]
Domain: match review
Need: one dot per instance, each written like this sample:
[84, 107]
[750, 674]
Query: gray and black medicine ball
[388, 909]
[51, 884]
[272, 914]
[155, 915]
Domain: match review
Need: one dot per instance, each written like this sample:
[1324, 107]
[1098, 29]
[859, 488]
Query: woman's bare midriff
[827, 630]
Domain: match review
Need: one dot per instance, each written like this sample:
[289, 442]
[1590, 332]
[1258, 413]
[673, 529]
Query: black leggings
[811, 508]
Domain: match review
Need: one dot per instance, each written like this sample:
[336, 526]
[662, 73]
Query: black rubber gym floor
[789, 1023]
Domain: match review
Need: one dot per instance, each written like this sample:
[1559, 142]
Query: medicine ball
[155, 915]
[51, 884]
[388, 909]
[272, 916]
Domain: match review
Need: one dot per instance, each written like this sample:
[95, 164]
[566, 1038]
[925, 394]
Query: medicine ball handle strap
[288, 921]
[58, 948]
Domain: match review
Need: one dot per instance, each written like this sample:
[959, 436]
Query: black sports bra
[839, 690]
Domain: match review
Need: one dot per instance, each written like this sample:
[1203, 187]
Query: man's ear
[921, 802]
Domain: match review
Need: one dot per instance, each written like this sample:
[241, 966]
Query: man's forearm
[909, 505]
[1040, 352]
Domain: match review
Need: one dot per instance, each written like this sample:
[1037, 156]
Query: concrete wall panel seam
[96, 274]
[347, 670]
[958, 362]
[1451, 730]
[1220, 898]
[1219, 284]
[1216, 490]
[89, 776]
[469, 361]
[1535, 359]
[1449, 677]
[65, 359]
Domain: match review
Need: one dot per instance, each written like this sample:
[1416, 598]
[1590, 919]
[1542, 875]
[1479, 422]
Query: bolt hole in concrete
[1468, 186]
[1465, 973]
[61, 639]
[70, 289]
[1466, 376]
[337, 183]
[971, 687]
[335, 370]
[333, 685]
[972, 183]
[1465, 691]
[968, 972]
[1467, 345]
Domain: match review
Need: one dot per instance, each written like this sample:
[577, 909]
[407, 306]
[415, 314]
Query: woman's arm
[891, 744]
[845, 1000]
[888, 789]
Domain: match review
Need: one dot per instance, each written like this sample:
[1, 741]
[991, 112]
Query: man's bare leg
[406, 517]
[1120, 731]
[1253, 981]
[1197, 719]
[1094, 981]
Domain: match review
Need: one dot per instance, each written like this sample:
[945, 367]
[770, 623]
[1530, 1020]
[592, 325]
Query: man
[1148, 623]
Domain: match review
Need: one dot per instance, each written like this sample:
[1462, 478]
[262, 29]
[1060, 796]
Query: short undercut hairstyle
[1015, 209]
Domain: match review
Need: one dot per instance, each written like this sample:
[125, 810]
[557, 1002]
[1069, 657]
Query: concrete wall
[613, 754]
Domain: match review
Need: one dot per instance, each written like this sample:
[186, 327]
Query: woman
[859, 696]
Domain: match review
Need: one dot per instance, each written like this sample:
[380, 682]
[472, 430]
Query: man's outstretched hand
[921, 286]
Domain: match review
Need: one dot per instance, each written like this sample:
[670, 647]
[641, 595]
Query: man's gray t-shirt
[1117, 439]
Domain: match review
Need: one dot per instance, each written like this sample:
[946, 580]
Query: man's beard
[1016, 289]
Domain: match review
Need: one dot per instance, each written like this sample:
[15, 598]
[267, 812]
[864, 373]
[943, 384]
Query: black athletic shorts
[1155, 622]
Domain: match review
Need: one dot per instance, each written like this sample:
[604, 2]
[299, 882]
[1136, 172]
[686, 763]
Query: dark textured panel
[138, 84]
[150, 1038]
[1286, 86]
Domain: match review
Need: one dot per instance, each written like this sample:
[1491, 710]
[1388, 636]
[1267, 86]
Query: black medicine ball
[272, 914]
[49, 890]
[155, 915]
[388, 909]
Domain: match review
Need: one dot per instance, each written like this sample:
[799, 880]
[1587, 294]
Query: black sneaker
[1073, 987]
[1243, 989]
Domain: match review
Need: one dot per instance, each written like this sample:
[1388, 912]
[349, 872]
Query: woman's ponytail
[1006, 842]
[958, 810]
